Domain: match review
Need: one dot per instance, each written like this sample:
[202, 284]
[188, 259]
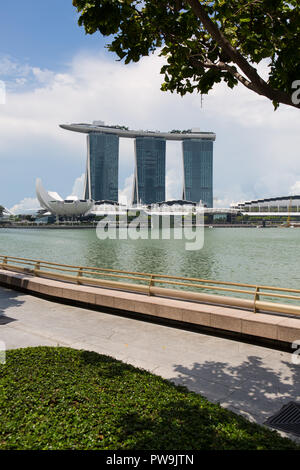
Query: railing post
[79, 275]
[4, 262]
[256, 298]
[150, 284]
[37, 268]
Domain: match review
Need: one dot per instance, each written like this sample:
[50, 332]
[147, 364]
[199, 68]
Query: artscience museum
[53, 202]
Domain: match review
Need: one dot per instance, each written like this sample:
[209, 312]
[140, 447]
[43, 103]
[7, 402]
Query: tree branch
[224, 68]
[257, 83]
[247, 5]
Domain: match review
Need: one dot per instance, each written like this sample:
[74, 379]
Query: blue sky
[55, 73]
[43, 33]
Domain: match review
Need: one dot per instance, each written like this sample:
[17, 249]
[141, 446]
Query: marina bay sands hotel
[149, 186]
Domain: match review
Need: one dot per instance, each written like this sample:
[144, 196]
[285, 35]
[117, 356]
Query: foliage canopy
[205, 42]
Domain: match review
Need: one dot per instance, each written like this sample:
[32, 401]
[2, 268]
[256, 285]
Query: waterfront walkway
[248, 379]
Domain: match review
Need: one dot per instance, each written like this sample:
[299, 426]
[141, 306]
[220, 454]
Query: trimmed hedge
[60, 398]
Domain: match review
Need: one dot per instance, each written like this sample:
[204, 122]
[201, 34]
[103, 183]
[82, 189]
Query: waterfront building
[150, 170]
[272, 205]
[150, 163]
[198, 170]
[5, 214]
[72, 207]
[102, 172]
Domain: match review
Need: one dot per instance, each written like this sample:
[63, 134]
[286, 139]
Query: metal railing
[248, 295]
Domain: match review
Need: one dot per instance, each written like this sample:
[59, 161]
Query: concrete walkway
[248, 379]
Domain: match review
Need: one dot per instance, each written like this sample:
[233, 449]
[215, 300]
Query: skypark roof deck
[120, 131]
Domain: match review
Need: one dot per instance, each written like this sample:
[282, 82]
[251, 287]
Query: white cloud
[10, 67]
[295, 188]
[78, 186]
[174, 184]
[26, 206]
[125, 194]
[43, 76]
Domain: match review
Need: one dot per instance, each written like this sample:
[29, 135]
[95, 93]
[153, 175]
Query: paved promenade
[251, 380]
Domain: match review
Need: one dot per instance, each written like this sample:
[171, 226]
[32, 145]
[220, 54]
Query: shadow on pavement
[252, 386]
[8, 298]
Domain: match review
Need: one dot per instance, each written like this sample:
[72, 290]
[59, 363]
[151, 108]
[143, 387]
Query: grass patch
[61, 398]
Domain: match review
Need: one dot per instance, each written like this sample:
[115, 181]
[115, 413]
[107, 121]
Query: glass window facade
[102, 167]
[198, 171]
[150, 170]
